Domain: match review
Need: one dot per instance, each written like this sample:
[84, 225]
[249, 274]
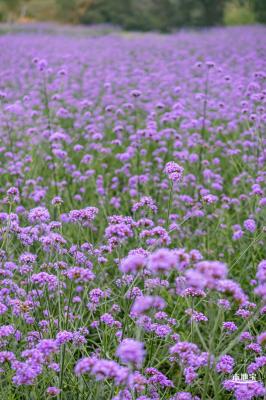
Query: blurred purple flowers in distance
[132, 221]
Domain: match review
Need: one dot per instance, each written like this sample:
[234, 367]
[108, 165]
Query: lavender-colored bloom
[255, 347]
[133, 263]
[84, 216]
[237, 234]
[229, 326]
[162, 261]
[53, 391]
[196, 316]
[43, 278]
[261, 339]
[261, 272]
[250, 225]
[225, 364]
[26, 373]
[143, 303]
[38, 215]
[245, 336]
[174, 171]
[157, 377]
[190, 375]
[247, 391]
[84, 366]
[183, 396]
[259, 362]
[131, 351]
[225, 304]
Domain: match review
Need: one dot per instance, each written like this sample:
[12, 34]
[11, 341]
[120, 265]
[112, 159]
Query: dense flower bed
[132, 218]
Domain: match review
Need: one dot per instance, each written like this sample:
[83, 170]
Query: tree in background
[212, 12]
[9, 9]
[72, 11]
[160, 15]
[102, 11]
[239, 12]
[260, 10]
[17, 10]
[145, 15]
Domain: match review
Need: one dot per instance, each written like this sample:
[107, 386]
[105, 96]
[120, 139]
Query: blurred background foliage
[145, 15]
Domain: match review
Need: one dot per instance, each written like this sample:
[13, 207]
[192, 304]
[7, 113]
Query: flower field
[132, 216]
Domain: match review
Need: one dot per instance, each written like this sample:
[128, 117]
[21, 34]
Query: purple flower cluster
[132, 222]
[174, 171]
[131, 352]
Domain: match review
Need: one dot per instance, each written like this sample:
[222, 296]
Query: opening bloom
[131, 351]
[174, 171]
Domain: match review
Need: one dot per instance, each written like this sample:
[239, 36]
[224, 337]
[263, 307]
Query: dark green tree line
[162, 15]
